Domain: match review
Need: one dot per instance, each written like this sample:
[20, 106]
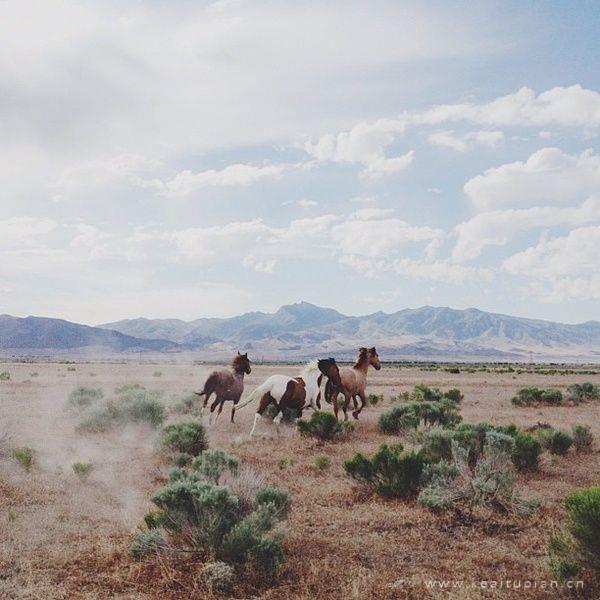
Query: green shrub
[157, 374]
[279, 498]
[500, 441]
[529, 396]
[5, 376]
[559, 442]
[186, 436]
[187, 404]
[322, 461]
[83, 397]
[374, 399]
[397, 419]
[218, 577]
[390, 472]
[143, 406]
[97, 419]
[526, 452]
[581, 392]
[82, 469]
[322, 425]
[583, 510]
[146, 542]
[583, 438]
[24, 456]
[182, 459]
[437, 444]
[211, 464]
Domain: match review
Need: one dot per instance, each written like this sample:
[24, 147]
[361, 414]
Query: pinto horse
[227, 385]
[293, 392]
[354, 382]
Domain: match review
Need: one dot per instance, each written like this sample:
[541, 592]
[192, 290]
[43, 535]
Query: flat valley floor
[65, 538]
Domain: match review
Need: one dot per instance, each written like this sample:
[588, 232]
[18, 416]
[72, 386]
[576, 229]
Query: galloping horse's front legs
[363, 399]
[346, 404]
[233, 409]
[212, 409]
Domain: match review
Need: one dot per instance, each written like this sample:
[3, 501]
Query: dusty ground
[63, 538]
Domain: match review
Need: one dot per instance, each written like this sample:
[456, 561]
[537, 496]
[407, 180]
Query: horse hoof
[355, 414]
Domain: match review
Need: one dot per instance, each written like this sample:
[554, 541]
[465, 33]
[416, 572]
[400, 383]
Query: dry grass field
[61, 537]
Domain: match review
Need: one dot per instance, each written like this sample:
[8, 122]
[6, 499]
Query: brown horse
[354, 382]
[296, 393]
[227, 385]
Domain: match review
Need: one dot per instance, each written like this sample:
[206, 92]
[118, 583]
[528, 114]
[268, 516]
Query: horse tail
[262, 389]
[209, 385]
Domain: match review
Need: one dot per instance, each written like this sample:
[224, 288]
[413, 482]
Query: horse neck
[362, 366]
[239, 375]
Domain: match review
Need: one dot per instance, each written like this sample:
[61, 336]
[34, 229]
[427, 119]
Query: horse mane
[310, 367]
[362, 356]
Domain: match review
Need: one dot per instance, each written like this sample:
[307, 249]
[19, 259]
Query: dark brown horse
[354, 382]
[226, 385]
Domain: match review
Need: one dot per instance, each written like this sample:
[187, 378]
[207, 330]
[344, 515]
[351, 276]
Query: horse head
[241, 363]
[329, 368]
[373, 358]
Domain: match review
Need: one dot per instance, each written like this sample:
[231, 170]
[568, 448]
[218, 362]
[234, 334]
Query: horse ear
[246, 355]
[372, 350]
[238, 353]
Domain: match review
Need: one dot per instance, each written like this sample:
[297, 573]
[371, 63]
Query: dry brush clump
[131, 403]
[324, 427]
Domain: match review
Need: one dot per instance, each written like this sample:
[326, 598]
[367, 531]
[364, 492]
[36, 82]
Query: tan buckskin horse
[227, 385]
[354, 382]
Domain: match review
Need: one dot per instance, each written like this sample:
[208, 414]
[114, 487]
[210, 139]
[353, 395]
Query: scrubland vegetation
[447, 479]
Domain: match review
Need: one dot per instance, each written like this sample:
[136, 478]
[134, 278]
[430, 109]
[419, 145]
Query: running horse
[354, 382]
[294, 393]
[227, 385]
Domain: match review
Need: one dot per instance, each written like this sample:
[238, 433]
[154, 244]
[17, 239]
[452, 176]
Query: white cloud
[186, 182]
[562, 267]
[466, 141]
[572, 106]
[439, 270]
[497, 228]
[364, 144]
[24, 232]
[549, 176]
[307, 203]
[260, 266]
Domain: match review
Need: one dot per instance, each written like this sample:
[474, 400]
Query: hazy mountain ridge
[303, 330]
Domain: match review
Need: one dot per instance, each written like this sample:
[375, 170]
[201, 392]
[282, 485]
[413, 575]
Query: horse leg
[233, 409]
[347, 398]
[363, 399]
[219, 411]
[212, 409]
[277, 418]
[264, 402]
[203, 406]
[335, 407]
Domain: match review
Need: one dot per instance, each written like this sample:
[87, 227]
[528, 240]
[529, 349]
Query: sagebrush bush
[82, 469]
[97, 419]
[580, 392]
[24, 455]
[578, 544]
[583, 438]
[559, 442]
[4, 376]
[141, 405]
[529, 396]
[390, 472]
[217, 510]
[374, 399]
[187, 404]
[83, 397]
[188, 437]
[212, 464]
[404, 417]
[490, 483]
[146, 542]
[526, 452]
[322, 461]
[437, 444]
[321, 425]
[218, 577]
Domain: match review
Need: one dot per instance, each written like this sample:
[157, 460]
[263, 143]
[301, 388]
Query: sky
[189, 159]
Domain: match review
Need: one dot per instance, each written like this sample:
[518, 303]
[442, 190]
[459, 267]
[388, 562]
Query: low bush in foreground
[83, 397]
[324, 427]
[578, 545]
[4, 376]
[188, 437]
[209, 512]
[390, 472]
[558, 442]
[489, 484]
[322, 461]
[581, 392]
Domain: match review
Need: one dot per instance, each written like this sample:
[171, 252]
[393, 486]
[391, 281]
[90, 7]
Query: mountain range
[303, 330]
